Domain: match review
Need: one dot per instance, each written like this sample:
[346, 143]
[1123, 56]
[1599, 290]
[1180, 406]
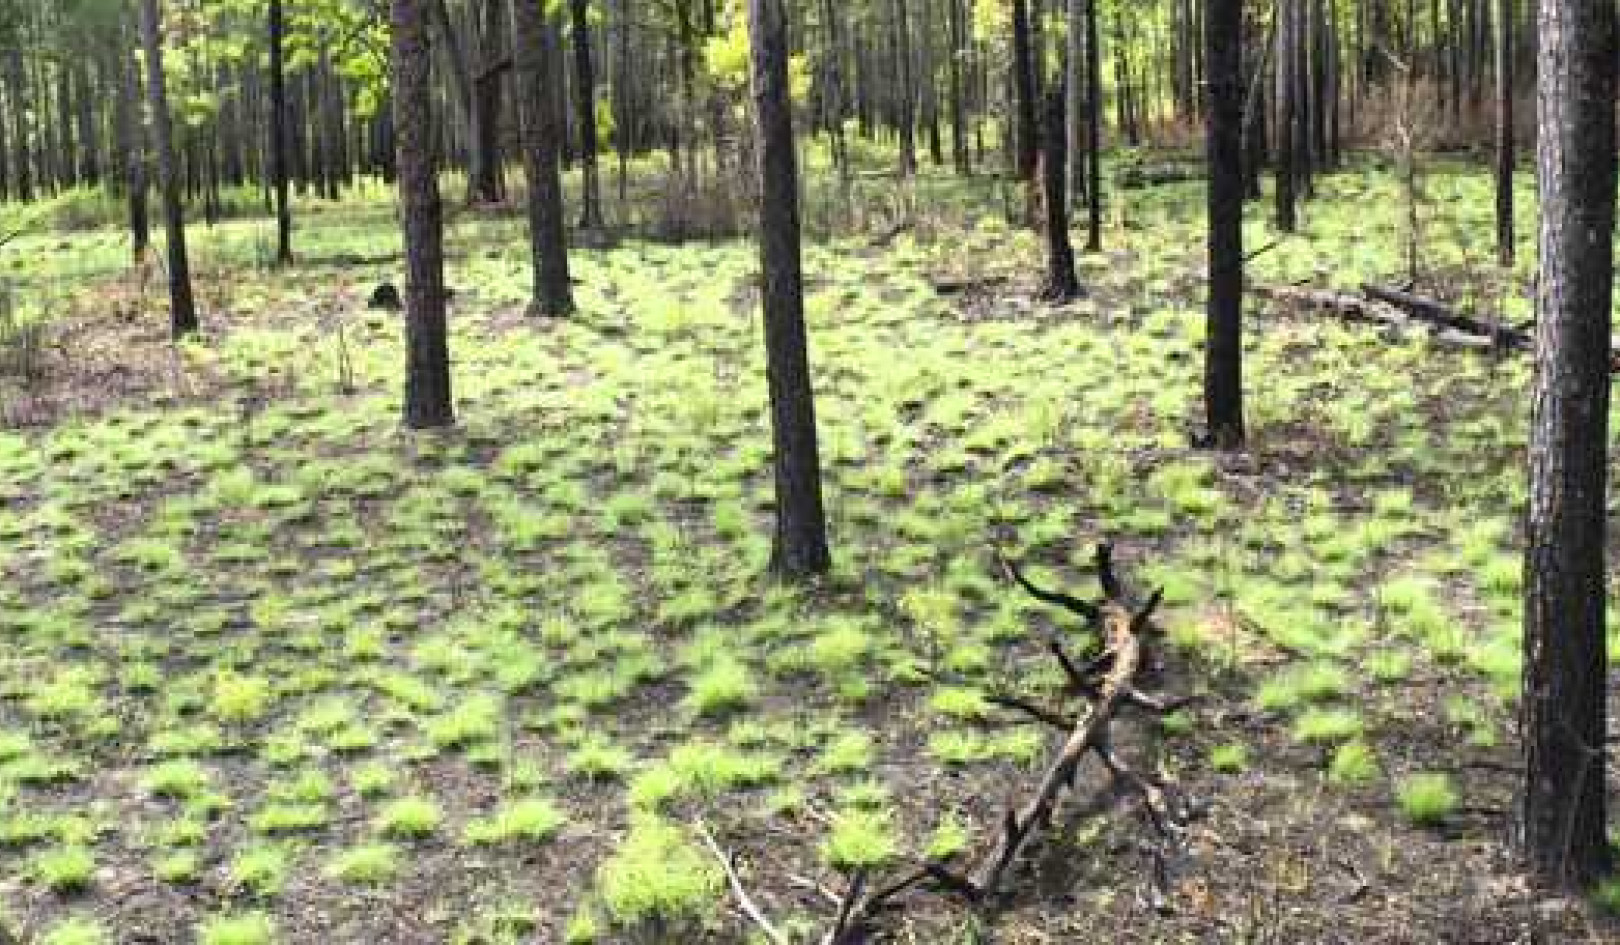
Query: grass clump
[76, 930]
[66, 869]
[657, 873]
[723, 686]
[1352, 763]
[370, 864]
[409, 817]
[1428, 798]
[261, 869]
[860, 838]
[1229, 759]
[251, 928]
[533, 819]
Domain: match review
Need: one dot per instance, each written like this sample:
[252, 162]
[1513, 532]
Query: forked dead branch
[1100, 685]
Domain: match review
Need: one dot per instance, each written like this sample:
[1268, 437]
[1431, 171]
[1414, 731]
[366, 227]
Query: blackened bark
[480, 172]
[1023, 66]
[492, 21]
[590, 217]
[278, 135]
[1286, 121]
[1093, 130]
[132, 152]
[1223, 355]
[533, 49]
[1061, 282]
[1562, 710]
[1504, 132]
[427, 356]
[953, 71]
[906, 120]
[183, 309]
[800, 546]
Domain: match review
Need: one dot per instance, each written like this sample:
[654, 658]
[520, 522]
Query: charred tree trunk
[1504, 133]
[1562, 710]
[533, 48]
[131, 131]
[1286, 120]
[182, 308]
[1093, 131]
[590, 216]
[800, 546]
[1023, 66]
[278, 136]
[427, 356]
[1223, 357]
[906, 93]
[1061, 282]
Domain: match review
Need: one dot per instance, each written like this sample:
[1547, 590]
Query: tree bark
[1223, 356]
[1504, 133]
[278, 136]
[427, 366]
[1061, 282]
[131, 134]
[1286, 121]
[182, 308]
[1562, 710]
[1023, 66]
[533, 49]
[585, 105]
[800, 546]
[1093, 130]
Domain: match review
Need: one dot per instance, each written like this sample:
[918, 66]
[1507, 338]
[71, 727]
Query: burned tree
[182, 307]
[800, 547]
[1061, 282]
[1223, 357]
[1562, 709]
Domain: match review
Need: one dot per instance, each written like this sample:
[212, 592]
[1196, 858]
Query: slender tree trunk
[906, 93]
[1061, 282]
[131, 133]
[800, 547]
[533, 49]
[278, 135]
[1023, 67]
[1223, 356]
[1286, 121]
[480, 173]
[1504, 133]
[953, 65]
[1562, 709]
[585, 110]
[1074, 67]
[427, 366]
[1093, 130]
[183, 310]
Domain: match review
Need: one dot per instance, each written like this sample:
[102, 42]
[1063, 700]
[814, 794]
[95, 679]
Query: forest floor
[274, 670]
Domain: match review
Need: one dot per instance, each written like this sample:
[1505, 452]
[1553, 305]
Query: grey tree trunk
[427, 355]
[1562, 709]
[182, 307]
[585, 109]
[800, 545]
[1504, 133]
[534, 46]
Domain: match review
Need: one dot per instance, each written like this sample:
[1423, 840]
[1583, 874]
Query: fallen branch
[1437, 313]
[1108, 681]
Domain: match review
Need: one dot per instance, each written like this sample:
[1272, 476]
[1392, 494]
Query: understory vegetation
[275, 670]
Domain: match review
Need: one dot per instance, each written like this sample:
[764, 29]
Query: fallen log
[1143, 176]
[1438, 313]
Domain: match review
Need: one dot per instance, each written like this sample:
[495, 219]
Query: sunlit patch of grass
[532, 819]
[860, 838]
[409, 818]
[368, 864]
[253, 928]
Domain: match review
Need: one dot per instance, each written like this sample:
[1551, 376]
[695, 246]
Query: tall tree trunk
[278, 135]
[905, 91]
[492, 19]
[1223, 356]
[17, 79]
[1562, 709]
[1504, 133]
[534, 45]
[1093, 130]
[1286, 122]
[131, 131]
[960, 158]
[1023, 67]
[1074, 70]
[427, 356]
[800, 546]
[183, 309]
[481, 186]
[585, 98]
[1061, 282]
